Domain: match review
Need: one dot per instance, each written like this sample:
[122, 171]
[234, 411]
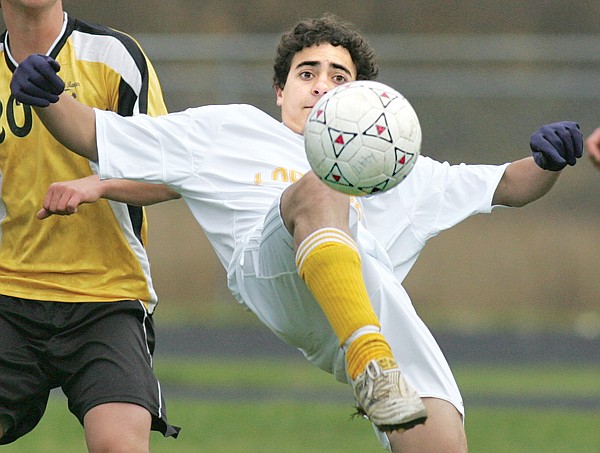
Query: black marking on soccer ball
[379, 187]
[340, 139]
[402, 159]
[384, 134]
[320, 115]
[385, 97]
[336, 176]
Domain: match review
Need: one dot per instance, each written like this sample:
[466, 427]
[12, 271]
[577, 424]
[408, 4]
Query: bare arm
[523, 182]
[64, 198]
[136, 193]
[554, 146]
[73, 124]
[592, 144]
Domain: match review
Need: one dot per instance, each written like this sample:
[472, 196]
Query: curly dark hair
[327, 29]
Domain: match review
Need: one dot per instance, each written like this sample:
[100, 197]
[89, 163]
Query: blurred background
[482, 75]
[512, 297]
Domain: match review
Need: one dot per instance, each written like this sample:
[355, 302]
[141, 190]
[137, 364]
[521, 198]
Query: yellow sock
[329, 263]
[364, 349]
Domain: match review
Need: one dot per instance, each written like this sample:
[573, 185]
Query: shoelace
[375, 375]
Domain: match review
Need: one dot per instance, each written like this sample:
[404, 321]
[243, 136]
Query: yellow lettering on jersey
[280, 174]
[295, 175]
[354, 203]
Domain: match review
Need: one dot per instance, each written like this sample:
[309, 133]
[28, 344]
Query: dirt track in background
[503, 347]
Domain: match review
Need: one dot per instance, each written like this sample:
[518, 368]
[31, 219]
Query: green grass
[536, 379]
[533, 380]
[502, 430]
[307, 422]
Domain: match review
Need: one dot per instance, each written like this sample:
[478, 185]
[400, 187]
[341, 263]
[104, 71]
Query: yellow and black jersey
[98, 254]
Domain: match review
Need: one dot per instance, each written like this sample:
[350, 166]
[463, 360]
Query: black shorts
[96, 352]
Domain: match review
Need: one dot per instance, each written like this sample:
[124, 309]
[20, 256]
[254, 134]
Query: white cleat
[386, 399]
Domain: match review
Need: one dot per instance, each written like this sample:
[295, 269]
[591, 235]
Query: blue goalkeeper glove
[35, 81]
[556, 145]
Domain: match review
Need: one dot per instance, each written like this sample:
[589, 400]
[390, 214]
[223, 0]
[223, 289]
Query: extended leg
[328, 261]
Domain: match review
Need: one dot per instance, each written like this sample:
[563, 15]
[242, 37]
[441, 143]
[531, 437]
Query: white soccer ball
[362, 138]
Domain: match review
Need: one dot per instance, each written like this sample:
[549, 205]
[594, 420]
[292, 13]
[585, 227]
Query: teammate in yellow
[76, 297]
[323, 274]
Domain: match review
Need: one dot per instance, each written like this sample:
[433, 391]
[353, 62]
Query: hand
[556, 145]
[35, 81]
[64, 198]
[592, 144]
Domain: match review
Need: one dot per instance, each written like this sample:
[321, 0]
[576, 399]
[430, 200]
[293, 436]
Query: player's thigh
[308, 205]
[117, 427]
[109, 361]
[272, 289]
[24, 384]
[443, 431]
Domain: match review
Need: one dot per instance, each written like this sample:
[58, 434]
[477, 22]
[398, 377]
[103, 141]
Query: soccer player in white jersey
[73, 294]
[299, 255]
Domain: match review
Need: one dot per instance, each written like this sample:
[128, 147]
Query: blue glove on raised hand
[35, 81]
[556, 145]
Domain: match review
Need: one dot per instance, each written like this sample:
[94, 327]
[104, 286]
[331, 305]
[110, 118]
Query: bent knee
[309, 204]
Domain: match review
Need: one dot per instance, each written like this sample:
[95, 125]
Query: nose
[321, 86]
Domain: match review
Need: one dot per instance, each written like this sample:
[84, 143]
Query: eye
[306, 75]
[340, 79]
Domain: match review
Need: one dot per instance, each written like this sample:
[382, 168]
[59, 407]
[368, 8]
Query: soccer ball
[362, 138]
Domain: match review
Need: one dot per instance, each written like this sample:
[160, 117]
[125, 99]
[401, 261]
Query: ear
[279, 94]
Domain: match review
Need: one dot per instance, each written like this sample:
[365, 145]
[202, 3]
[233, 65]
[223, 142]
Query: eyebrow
[318, 63]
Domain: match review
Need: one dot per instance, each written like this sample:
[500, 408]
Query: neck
[32, 30]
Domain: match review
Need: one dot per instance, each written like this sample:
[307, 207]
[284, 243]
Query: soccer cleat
[386, 399]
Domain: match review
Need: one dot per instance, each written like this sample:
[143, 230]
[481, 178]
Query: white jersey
[231, 162]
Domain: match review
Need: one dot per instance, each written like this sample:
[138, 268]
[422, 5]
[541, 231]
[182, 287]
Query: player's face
[314, 71]
[27, 5]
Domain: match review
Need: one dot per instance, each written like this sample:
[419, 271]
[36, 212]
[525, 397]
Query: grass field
[291, 407]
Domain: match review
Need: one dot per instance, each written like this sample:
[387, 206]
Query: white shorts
[269, 286]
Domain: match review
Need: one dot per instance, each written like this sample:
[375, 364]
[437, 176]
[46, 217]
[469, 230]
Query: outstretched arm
[64, 198]
[36, 82]
[554, 146]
